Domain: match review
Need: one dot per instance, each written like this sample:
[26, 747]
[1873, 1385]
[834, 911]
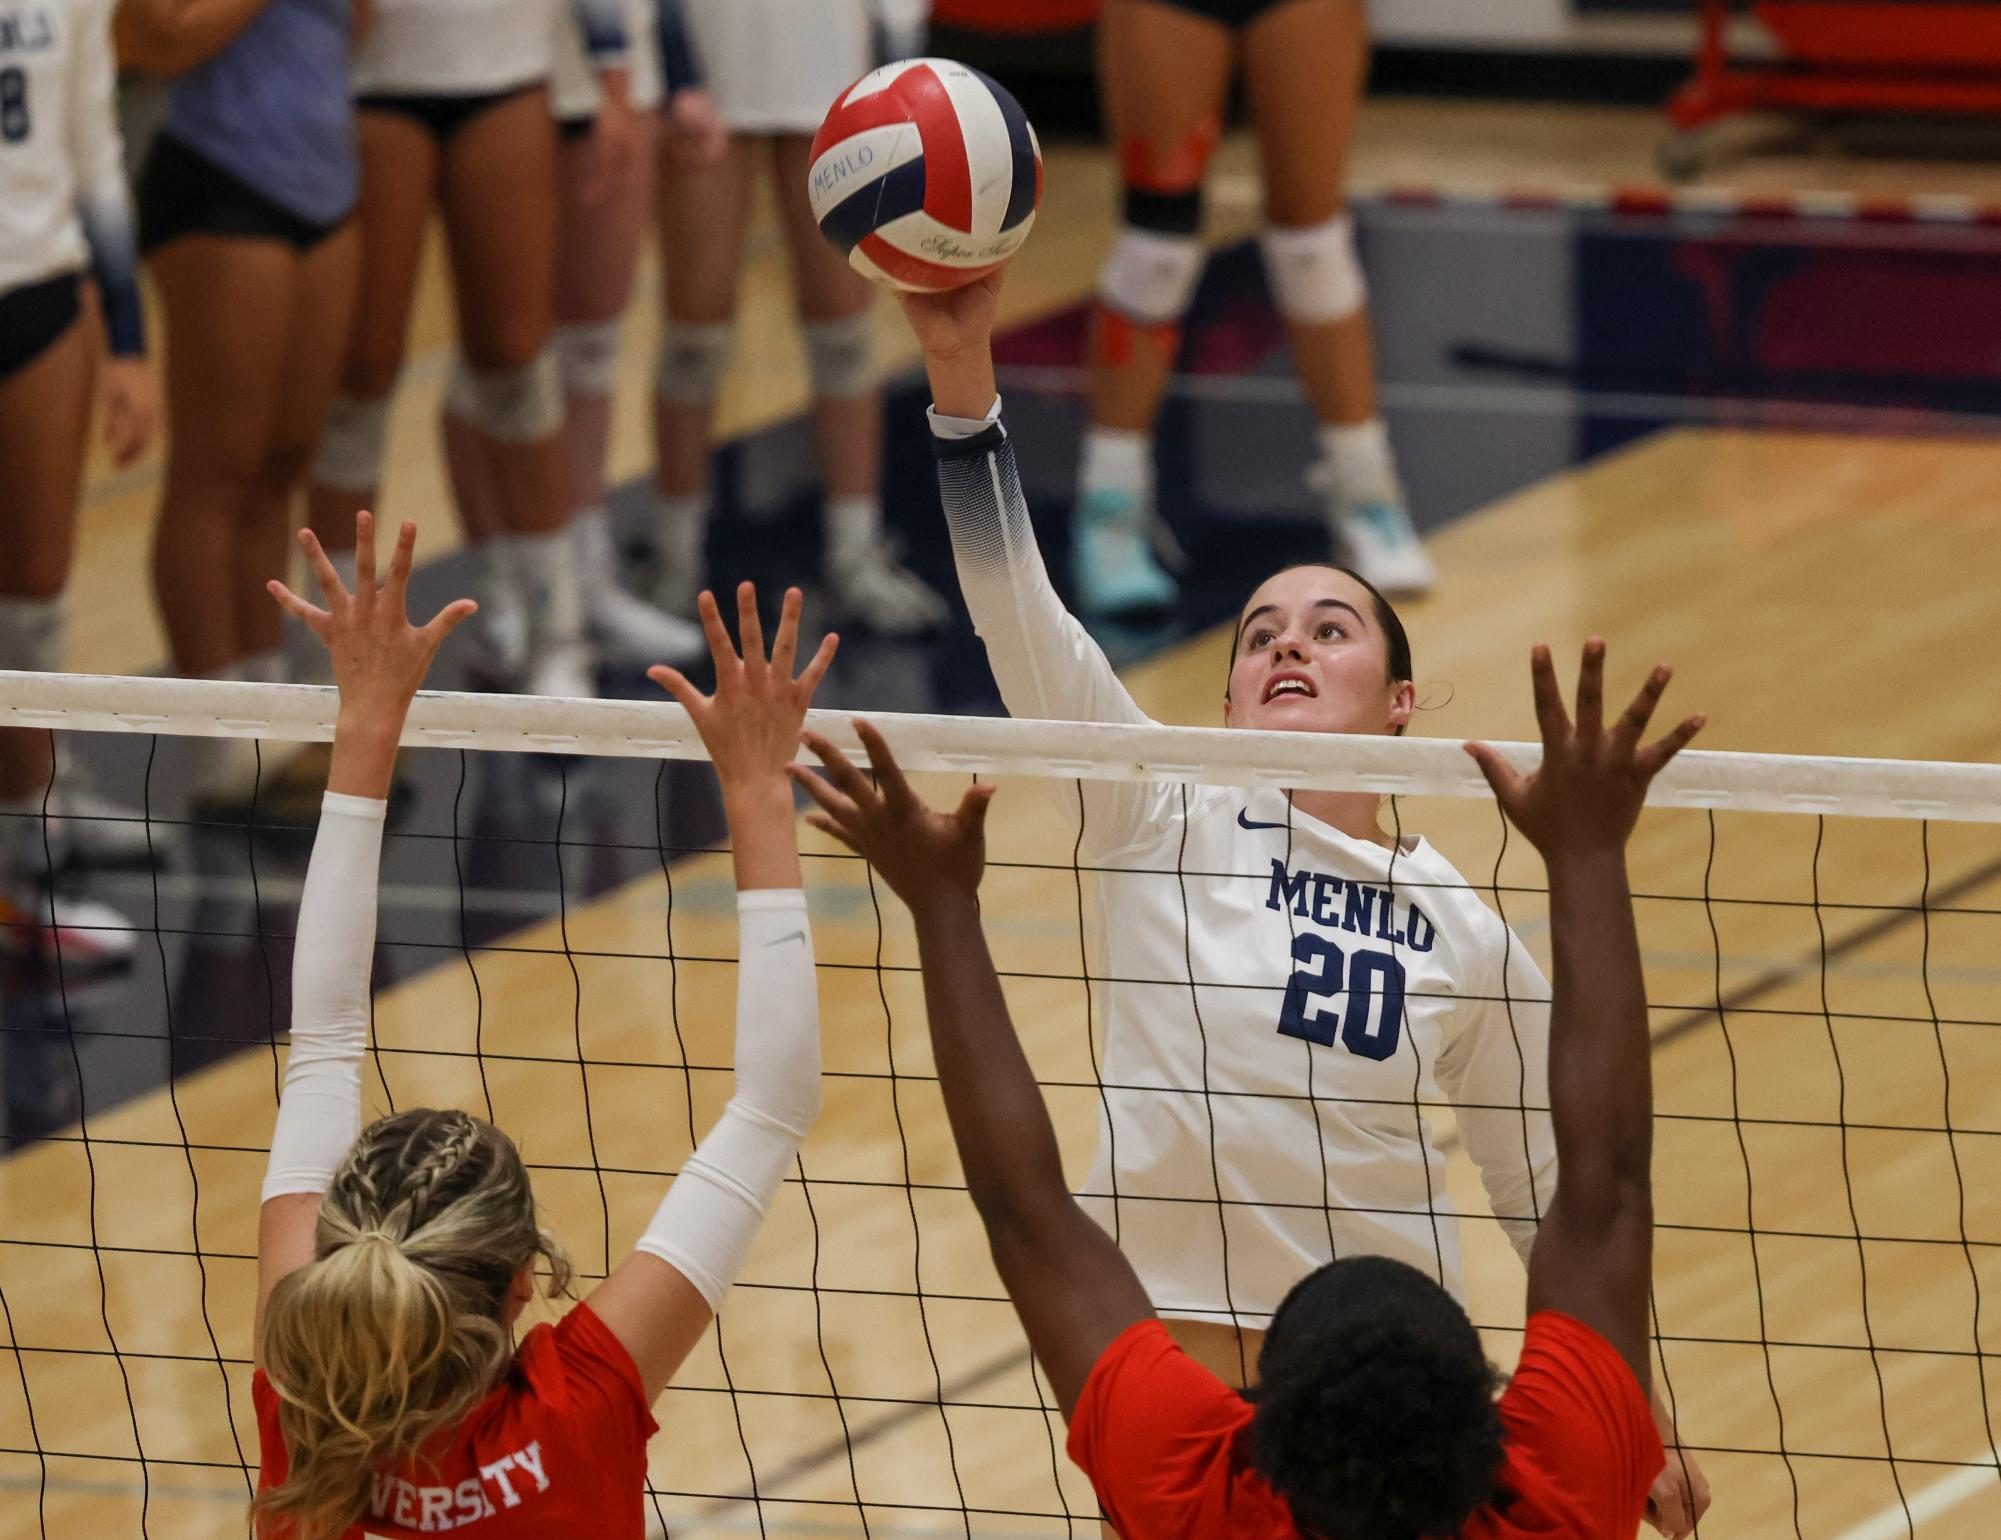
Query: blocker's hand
[1679, 1497]
[751, 724]
[379, 657]
[1586, 794]
[920, 851]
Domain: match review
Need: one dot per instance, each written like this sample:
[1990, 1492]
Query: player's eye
[1332, 628]
[1258, 639]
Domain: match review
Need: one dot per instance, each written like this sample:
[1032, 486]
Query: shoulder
[1475, 936]
[578, 1365]
[1162, 1440]
[1581, 1442]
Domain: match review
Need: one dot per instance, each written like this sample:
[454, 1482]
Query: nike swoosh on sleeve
[792, 935]
[1246, 821]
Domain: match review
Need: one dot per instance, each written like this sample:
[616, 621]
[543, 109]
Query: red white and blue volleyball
[927, 174]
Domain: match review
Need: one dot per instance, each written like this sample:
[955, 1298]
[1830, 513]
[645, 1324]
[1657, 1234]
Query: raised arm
[1593, 1258]
[1046, 664]
[1071, 1286]
[379, 662]
[659, 1301]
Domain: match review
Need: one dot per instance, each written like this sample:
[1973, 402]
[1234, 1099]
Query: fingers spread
[749, 629]
[840, 769]
[315, 618]
[817, 666]
[447, 620]
[888, 772]
[827, 825]
[316, 558]
[841, 807]
[1633, 721]
[1591, 691]
[1549, 713]
[720, 648]
[1655, 756]
[675, 683]
[786, 646]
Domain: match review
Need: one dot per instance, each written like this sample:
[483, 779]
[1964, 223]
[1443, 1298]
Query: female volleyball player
[63, 208]
[394, 1260]
[245, 217]
[1166, 67]
[1374, 1417]
[601, 220]
[1269, 1036]
[773, 68]
[452, 102]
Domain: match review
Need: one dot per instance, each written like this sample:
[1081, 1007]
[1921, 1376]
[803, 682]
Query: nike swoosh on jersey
[791, 935]
[1244, 818]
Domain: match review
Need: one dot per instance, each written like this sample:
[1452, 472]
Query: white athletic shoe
[1376, 538]
[624, 626]
[82, 932]
[564, 669]
[872, 585]
[85, 828]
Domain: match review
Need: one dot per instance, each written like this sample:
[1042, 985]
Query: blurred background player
[773, 68]
[64, 208]
[601, 218]
[452, 104]
[1166, 67]
[246, 217]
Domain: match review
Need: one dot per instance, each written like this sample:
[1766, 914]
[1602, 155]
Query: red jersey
[1165, 1444]
[557, 1448]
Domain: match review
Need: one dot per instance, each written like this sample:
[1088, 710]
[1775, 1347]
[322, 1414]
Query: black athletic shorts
[32, 317]
[1229, 13]
[182, 192]
[442, 116]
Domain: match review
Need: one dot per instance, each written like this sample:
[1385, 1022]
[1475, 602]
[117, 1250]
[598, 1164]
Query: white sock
[1116, 457]
[545, 567]
[227, 767]
[684, 521]
[854, 526]
[1365, 469]
[597, 557]
[32, 633]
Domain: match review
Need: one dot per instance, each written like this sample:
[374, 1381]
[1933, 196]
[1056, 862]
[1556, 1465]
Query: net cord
[1099, 751]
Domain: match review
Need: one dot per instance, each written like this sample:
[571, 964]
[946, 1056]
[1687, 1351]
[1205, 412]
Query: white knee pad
[587, 355]
[352, 441]
[1314, 272]
[32, 632]
[840, 354]
[1150, 277]
[516, 406]
[693, 360]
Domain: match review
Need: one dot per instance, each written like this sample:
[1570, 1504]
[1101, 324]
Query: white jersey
[1281, 1000]
[472, 47]
[63, 192]
[776, 66]
[573, 81]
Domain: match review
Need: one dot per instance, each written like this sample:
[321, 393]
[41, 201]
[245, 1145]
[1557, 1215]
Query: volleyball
[926, 174]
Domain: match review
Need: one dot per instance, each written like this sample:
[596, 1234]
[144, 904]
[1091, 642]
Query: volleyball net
[1822, 942]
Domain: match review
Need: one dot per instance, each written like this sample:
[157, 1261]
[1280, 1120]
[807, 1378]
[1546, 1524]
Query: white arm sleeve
[705, 1224]
[319, 1114]
[1046, 664]
[1494, 1069]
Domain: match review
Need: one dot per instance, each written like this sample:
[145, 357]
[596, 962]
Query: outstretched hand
[379, 658]
[751, 724]
[919, 850]
[949, 323]
[1586, 794]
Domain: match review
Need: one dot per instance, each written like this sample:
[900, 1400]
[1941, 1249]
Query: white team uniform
[62, 165]
[776, 66]
[459, 47]
[1272, 1034]
[573, 84]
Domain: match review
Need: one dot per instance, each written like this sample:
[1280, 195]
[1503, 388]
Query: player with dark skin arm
[1073, 1289]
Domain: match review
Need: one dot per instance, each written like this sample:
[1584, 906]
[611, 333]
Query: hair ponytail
[398, 1328]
